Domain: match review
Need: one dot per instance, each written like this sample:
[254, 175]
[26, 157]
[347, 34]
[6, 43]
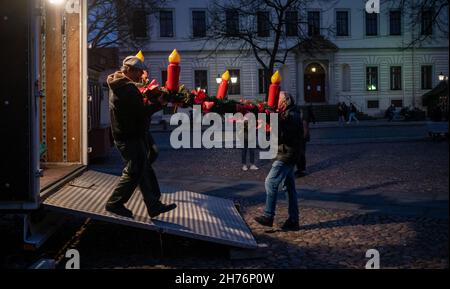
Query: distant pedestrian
[345, 110]
[311, 117]
[341, 113]
[390, 112]
[352, 114]
[246, 139]
[307, 116]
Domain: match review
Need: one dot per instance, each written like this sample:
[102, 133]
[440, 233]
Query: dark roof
[439, 90]
[315, 43]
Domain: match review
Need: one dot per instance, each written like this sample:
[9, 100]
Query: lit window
[372, 78]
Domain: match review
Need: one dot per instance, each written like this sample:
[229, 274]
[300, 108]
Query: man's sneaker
[160, 209]
[264, 220]
[290, 225]
[244, 168]
[119, 210]
[254, 168]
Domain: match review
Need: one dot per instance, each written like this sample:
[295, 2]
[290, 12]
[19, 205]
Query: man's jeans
[137, 171]
[351, 116]
[281, 172]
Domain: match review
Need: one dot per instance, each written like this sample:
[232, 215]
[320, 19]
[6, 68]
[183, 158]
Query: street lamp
[442, 77]
[233, 79]
[56, 2]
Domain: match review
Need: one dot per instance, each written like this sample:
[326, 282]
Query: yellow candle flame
[140, 55]
[226, 75]
[174, 57]
[276, 78]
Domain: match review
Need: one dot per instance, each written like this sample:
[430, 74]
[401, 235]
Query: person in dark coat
[307, 116]
[390, 112]
[341, 113]
[345, 110]
[352, 114]
[282, 171]
[130, 129]
[306, 119]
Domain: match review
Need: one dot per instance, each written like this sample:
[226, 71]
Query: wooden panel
[52, 173]
[73, 88]
[54, 84]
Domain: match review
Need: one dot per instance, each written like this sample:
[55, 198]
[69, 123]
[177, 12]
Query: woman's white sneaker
[244, 168]
[253, 167]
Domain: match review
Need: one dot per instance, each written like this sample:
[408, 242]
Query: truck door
[18, 141]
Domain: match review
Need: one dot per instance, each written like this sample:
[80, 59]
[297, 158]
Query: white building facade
[371, 66]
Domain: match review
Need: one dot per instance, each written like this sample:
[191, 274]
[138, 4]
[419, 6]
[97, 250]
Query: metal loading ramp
[197, 216]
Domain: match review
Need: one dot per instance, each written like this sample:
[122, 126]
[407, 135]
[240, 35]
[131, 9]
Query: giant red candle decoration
[274, 90]
[173, 71]
[223, 87]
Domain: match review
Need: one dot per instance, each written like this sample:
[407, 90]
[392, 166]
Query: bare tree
[425, 19]
[120, 22]
[268, 29]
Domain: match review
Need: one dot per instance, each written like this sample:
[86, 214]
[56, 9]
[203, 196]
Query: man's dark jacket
[130, 118]
[290, 133]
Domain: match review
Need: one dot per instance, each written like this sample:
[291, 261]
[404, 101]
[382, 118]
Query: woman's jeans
[281, 172]
[251, 152]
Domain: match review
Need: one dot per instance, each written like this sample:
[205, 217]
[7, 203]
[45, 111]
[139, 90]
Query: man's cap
[135, 62]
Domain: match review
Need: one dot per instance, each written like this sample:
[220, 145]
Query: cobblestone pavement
[376, 178]
[328, 238]
[385, 177]
[349, 203]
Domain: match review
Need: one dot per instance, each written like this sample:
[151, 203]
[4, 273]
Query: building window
[427, 22]
[235, 88]
[139, 24]
[395, 22]
[165, 24]
[342, 23]
[371, 24]
[397, 102]
[426, 77]
[396, 77]
[372, 78]
[232, 22]
[163, 77]
[346, 77]
[313, 23]
[373, 104]
[198, 23]
[262, 81]
[291, 23]
[201, 79]
[263, 25]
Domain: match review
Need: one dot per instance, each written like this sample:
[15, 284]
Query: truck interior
[60, 103]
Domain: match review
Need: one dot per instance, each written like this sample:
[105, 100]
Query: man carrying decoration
[129, 125]
[289, 134]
